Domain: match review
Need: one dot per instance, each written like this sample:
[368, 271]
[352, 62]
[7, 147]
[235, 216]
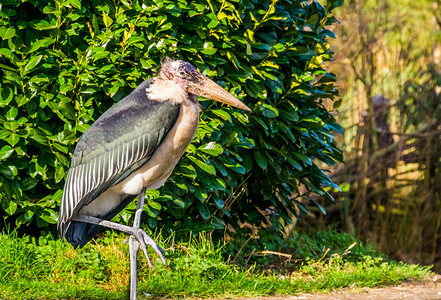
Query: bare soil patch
[418, 290]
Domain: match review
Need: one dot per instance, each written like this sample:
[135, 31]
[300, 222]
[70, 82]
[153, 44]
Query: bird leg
[134, 248]
[140, 235]
[138, 239]
[137, 225]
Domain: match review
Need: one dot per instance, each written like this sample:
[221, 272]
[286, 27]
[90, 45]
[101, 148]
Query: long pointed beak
[207, 88]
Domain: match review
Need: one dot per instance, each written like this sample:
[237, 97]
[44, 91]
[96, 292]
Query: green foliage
[326, 244]
[47, 268]
[63, 63]
[304, 247]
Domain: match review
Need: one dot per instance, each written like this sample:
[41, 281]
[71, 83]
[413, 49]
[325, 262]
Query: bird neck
[188, 121]
[166, 90]
[185, 127]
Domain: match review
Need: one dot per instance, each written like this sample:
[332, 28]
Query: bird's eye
[181, 73]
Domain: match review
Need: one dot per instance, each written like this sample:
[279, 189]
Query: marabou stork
[134, 146]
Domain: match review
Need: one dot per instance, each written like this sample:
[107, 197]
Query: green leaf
[7, 172]
[135, 39]
[11, 114]
[336, 127]
[220, 168]
[269, 111]
[67, 111]
[39, 78]
[188, 171]
[43, 43]
[7, 32]
[45, 25]
[146, 64]
[201, 194]
[211, 148]
[62, 159]
[13, 139]
[305, 159]
[75, 3]
[323, 210]
[289, 115]
[12, 125]
[235, 166]
[206, 167]
[7, 68]
[179, 202]
[204, 211]
[152, 222]
[5, 152]
[222, 113]
[13, 169]
[82, 127]
[8, 54]
[28, 183]
[21, 100]
[219, 202]
[38, 136]
[208, 48]
[4, 134]
[9, 206]
[6, 95]
[48, 215]
[154, 204]
[219, 184]
[214, 21]
[294, 163]
[164, 27]
[26, 217]
[107, 20]
[59, 173]
[60, 147]
[33, 62]
[261, 160]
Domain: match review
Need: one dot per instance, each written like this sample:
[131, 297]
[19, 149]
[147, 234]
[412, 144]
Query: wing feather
[119, 142]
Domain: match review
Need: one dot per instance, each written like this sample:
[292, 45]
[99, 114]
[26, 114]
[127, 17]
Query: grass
[50, 269]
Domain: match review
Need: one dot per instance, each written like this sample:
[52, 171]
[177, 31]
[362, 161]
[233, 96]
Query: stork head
[192, 81]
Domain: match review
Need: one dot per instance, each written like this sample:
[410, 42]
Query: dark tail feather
[79, 234]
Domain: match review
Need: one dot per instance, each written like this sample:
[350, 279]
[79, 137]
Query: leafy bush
[63, 63]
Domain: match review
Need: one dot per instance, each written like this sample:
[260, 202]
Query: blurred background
[387, 63]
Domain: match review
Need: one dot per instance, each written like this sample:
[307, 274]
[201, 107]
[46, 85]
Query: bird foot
[143, 239]
[140, 239]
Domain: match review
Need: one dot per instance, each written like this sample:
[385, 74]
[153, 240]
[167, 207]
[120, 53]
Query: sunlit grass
[44, 268]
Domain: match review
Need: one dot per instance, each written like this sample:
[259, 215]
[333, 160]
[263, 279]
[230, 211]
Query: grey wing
[119, 142]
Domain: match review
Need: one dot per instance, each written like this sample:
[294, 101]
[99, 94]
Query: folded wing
[118, 143]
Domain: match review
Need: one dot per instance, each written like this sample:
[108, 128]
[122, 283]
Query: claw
[143, 239]
[144, 249]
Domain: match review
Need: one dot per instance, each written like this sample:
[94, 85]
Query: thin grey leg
[134, 248]
[138, 213]
[138, 239]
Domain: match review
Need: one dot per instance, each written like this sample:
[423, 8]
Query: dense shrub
[63, 63]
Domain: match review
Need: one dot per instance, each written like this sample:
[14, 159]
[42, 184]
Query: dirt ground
[420, 290]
